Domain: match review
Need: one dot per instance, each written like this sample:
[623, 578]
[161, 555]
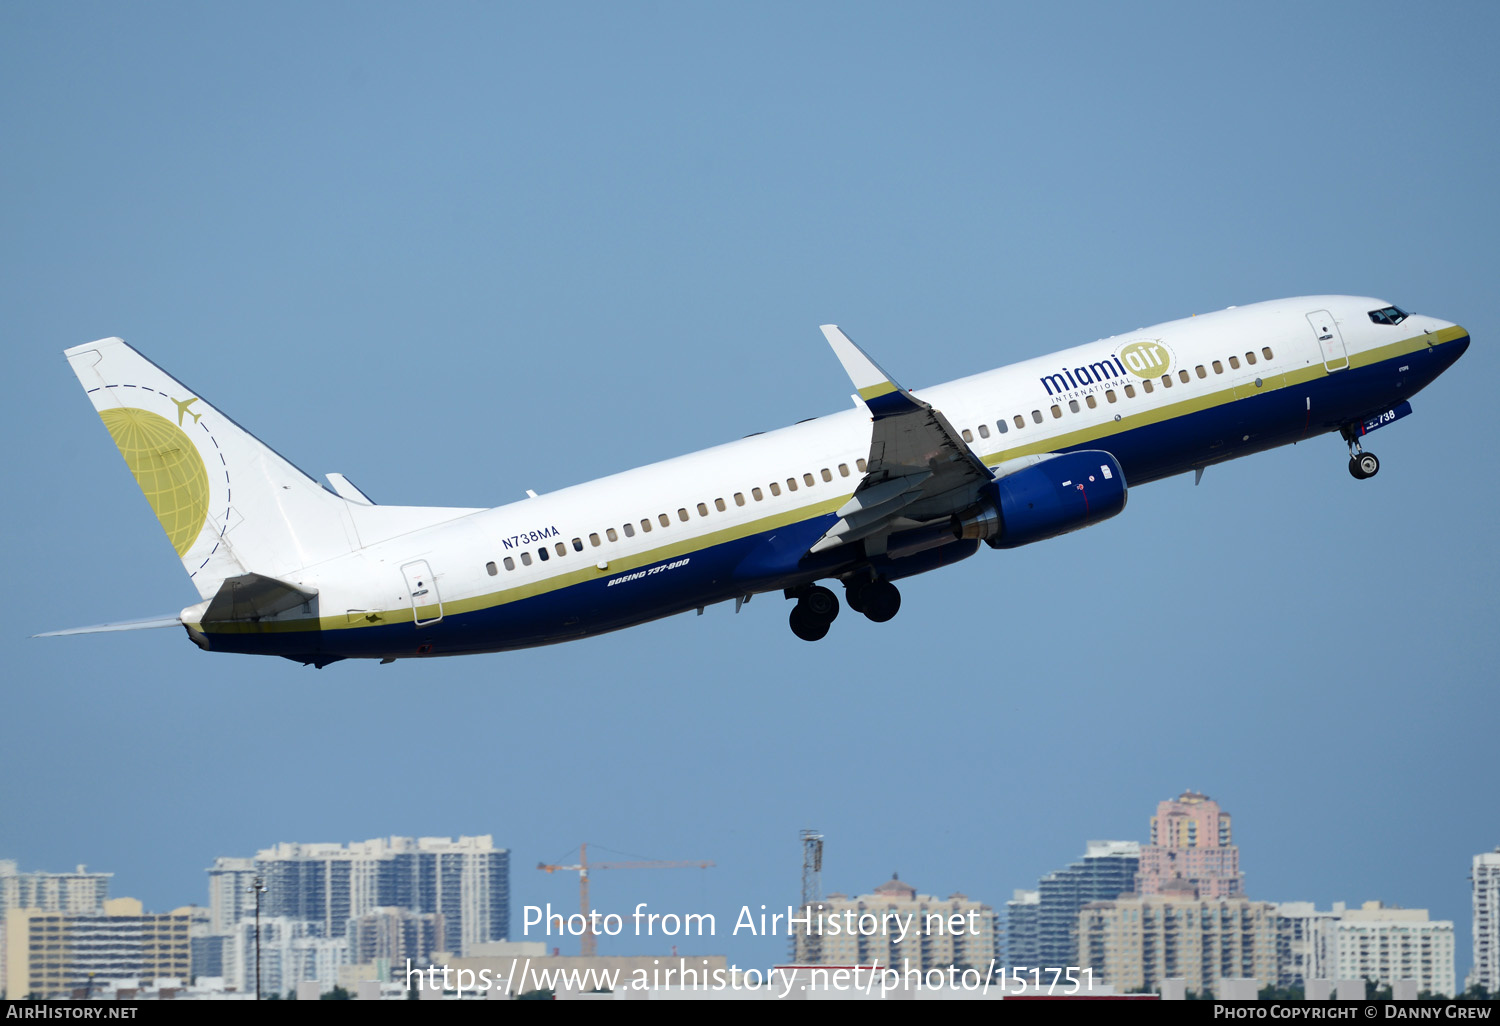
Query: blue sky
[462, 250]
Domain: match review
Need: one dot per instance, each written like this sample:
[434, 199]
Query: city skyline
[459, 253]
[1102, 859]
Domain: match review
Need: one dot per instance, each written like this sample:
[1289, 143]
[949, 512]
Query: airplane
[901, 484]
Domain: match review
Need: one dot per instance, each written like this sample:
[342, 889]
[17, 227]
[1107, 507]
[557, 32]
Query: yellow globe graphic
[168, 468]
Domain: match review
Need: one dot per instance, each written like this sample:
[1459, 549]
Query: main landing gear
[817, 607]
[1361, 464]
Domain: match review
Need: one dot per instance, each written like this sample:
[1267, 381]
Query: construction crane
[587, 942]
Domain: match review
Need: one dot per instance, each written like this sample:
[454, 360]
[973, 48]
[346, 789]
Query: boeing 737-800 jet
[901, 484]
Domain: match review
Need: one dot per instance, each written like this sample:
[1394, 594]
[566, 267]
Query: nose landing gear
[1362, 464]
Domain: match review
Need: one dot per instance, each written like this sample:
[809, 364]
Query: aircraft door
[426, 604]
[1330, 340]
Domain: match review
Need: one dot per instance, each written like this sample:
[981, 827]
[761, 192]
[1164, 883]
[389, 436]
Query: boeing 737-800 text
[901, 484]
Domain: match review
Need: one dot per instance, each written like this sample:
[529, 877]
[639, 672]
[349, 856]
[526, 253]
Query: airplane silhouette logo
[182, 407]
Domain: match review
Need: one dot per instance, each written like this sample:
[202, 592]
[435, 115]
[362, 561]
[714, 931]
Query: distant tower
[812, 893]
[1486, 883]
[812, 867]
[1191, 851]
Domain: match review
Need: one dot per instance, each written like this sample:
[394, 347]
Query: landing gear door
[1330, 339]
[426, 604]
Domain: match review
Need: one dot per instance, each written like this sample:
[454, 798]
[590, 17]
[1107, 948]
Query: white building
[1389, 944]
[1486, 882]
[1304, 948]
[229, 895]
[291, 952]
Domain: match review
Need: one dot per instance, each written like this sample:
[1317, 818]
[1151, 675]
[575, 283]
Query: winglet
[883, 396]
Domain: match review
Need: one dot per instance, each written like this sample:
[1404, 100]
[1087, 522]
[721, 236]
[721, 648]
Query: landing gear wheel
[806, 626]
[820, 604]
[1364, 465]
[854, 597]
[880, 601]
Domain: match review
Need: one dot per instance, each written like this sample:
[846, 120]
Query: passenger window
[682, 514]
[1250, 359]
[562, 550]
[1056, 412]
[967, 435]
[1218, 367]
[1003, 426]
[719, 505]
[861, 464]
[1129, 391]
[663, 520]
[1184, 377]
[984, 431]
[739, 498]
[1109, 395]
[1091, 401]
[1073, 405]
[1234, 363]
[1201, 372]
[757, 494]
[594, 540]
[702, 510]
[491, 568]
[578, 544]
[525, 559]
[1266, 352]
[775, 488]
[827, 476]
[613, 536]
[791, 484]
[510, 564]
[1148, 386]
[542, 552]
[1166, 381]
[843, 470]
[1036, 416]
[808, 480]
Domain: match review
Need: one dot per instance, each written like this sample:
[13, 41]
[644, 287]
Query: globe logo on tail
[168, 469]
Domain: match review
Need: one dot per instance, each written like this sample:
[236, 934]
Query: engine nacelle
[1053, 497]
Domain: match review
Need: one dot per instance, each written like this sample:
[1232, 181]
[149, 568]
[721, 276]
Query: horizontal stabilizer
[255, 597]
[121, 625]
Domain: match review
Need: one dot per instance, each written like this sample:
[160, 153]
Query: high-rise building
[230, 894]
[1191, 850]
[1387, 944]
[79, 891]
[55, 954]
[291, 951]
[394, 934]
[1106, 871]
[1022, 933]
[1136, 941]
[466, 880]
[1303, 944]
[897, 927]
[1485, 880]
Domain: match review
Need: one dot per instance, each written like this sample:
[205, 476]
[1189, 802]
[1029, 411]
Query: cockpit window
[1390, 315]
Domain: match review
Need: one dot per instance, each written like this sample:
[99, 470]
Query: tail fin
[230, 504]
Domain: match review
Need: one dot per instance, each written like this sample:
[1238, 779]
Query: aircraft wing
[919, 468]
